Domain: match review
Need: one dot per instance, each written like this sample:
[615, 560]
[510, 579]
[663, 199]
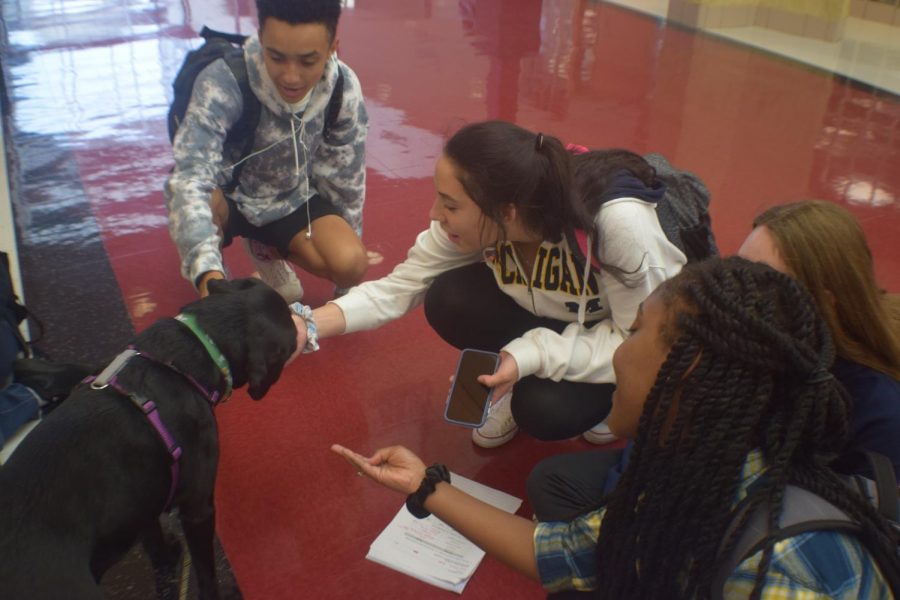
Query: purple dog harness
[109, 378]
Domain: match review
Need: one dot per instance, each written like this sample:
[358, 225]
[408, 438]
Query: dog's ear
[267, 356]
[258, 386]
[262, 373]
[272, 341]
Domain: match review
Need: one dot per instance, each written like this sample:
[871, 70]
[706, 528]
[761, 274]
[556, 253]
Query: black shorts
[277, 233]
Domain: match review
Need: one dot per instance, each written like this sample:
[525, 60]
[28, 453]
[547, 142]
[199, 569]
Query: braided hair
[746, 370]
[594, 172]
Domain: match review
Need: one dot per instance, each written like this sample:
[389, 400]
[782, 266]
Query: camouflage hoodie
[279, 176]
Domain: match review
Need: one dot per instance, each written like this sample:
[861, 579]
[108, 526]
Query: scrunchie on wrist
[312, 333]
[415, 502]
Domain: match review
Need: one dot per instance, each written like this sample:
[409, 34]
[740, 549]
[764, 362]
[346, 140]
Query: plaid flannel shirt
[813, 565]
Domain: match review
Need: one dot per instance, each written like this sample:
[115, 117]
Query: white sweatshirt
[631, 240]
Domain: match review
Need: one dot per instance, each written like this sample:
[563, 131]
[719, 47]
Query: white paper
[432, 551]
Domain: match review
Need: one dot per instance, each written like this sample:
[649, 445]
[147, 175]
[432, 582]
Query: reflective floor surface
[88, 84]
[868, 51]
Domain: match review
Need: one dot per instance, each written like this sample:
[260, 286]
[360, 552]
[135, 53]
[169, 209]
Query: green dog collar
[190, 321]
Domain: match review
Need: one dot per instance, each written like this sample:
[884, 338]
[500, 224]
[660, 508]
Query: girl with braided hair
[823, 246]
[724, 387]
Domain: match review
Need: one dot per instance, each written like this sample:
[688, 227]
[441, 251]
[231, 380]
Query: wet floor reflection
[89, 82]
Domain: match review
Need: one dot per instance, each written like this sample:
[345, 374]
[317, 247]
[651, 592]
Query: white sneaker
[599, 434]
[500, 427]
[274, 270]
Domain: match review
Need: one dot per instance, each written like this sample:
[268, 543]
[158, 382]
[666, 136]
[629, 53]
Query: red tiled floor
[89, 84]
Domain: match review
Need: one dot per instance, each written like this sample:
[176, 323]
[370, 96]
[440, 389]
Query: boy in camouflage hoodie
[300, 196]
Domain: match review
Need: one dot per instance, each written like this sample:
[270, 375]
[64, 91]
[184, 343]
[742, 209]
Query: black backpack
[11, 310]
[229, 47]
[804, 511]
[683, 211]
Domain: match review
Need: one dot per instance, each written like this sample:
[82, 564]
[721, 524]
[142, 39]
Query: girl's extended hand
[503, 379]
[394, 467]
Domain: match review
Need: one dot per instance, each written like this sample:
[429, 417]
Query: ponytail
[593, 173]
[556, 211]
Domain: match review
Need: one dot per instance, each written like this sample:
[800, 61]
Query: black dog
[95, 475]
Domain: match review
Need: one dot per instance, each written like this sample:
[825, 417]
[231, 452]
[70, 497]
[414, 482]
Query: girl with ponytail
[498, 270]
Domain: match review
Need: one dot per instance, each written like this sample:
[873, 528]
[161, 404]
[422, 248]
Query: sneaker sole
[599, 439]
[492, 442]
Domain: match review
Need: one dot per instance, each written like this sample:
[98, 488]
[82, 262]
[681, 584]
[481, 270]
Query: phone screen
[468, 398]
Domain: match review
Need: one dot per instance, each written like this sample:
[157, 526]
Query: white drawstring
[297, 169]
[582, 301]
[293, 136]
[252, 154]
[582, 306]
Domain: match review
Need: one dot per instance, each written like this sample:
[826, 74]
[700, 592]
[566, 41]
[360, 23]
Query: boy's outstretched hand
[394, 467]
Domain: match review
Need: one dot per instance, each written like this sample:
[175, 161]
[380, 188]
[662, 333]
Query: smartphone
[469, 401]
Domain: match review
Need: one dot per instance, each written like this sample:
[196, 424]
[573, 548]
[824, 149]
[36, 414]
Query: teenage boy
[300, 192]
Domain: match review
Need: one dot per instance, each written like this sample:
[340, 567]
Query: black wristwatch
[415, 502]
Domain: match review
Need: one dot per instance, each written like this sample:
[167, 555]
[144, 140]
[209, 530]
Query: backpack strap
[334, 105]
[802, 511]
[237, 39]
[885, 496]
[243, 132]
